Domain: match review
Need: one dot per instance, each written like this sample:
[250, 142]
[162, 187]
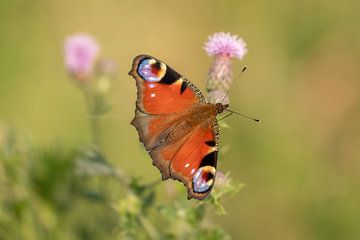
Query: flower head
[225, 44]
[224, 47]
[80, 51]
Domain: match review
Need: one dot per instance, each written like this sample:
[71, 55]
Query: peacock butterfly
[176, 125]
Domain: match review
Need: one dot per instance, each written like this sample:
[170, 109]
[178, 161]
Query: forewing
[161, 90]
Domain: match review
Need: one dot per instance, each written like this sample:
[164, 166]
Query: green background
[300, 166]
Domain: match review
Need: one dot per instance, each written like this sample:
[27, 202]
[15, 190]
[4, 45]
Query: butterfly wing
[163, 104]
[163, 95]
[192, 160]
[161, 90]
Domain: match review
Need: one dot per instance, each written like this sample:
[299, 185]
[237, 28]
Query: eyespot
[151, 70]
[203, 179]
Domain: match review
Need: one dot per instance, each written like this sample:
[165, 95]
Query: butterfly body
[176, 125]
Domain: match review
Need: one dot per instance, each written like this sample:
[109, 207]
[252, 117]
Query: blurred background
[300, 166]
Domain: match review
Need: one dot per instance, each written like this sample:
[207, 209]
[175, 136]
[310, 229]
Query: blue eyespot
[151, 70]
[203, 179]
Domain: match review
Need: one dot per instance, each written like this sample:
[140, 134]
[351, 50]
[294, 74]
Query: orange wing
[161, 90]
[191, 160]
[163, 95]
[195, 161]
[163, 102]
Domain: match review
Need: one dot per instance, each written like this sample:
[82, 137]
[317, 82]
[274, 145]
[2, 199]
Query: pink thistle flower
[81, 51]
[224, 47]
[225, 44]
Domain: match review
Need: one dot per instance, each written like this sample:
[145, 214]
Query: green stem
[94, 123]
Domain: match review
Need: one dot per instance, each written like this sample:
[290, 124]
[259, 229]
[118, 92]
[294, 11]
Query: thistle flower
[80, 52]
[225, 44]
[223, 47]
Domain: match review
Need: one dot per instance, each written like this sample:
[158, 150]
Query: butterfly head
[220, 107]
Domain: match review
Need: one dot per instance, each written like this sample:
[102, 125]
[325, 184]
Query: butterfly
[176, 125]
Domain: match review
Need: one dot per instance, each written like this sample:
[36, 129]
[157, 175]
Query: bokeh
[300, 166]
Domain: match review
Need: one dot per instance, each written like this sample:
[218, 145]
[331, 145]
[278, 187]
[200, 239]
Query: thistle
[81, 51]
[223, 47]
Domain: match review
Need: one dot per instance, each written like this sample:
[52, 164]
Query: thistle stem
[94, 123]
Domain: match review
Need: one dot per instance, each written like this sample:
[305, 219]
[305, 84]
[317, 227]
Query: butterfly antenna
[254, 119]
[238, 77]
